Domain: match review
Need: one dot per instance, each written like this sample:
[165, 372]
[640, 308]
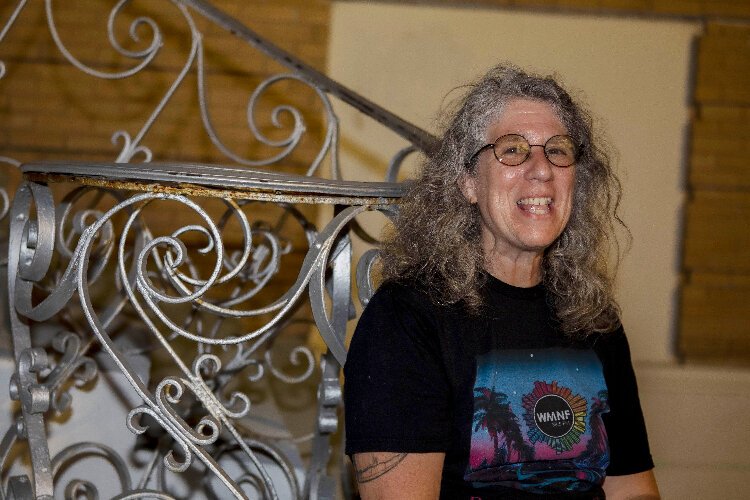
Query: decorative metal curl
[142, 493]
[238, 404]
[6, 28]
[72, 365]
[32, 246]
[146, 55]
[298, 129]
[365, 287]
[131, 145]
[265, 449]
[4, 198]
[154, 274]
[159, 406]
[315, 258]
[298, 355]
[130, 148]
[133, 423]
[78, 488]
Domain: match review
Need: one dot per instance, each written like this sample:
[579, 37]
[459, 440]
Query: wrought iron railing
[180, 327]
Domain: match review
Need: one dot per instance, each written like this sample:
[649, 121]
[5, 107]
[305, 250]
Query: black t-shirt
[518, 408]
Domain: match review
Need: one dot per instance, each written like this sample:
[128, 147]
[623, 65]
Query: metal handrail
[418, 137]
[59, 250]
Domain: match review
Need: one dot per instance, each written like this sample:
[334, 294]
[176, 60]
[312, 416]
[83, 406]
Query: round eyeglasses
[514, 149]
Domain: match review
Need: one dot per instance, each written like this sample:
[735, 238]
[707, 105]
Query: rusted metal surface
[182, 254]
[217, 181]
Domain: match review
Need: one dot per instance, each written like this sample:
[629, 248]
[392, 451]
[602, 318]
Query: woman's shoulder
[401, 305]
[397, 318]
[611, 342]
[393, 291]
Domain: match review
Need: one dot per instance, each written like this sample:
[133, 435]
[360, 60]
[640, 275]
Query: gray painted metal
[91, 264]
[415, 135]
[225, 178]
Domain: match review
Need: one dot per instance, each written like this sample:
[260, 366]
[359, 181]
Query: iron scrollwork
[155, 279]
[190, 321]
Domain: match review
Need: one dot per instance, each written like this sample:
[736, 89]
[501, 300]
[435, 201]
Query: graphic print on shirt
[537, 420]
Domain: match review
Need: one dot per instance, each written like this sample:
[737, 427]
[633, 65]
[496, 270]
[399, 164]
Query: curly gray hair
[435, 240]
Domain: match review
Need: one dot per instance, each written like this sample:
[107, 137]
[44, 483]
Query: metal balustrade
[178, 326]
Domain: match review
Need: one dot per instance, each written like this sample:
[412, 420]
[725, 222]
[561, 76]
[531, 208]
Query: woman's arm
[387, 475]
[640, 486]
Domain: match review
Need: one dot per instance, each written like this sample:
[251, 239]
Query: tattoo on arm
[379, 465]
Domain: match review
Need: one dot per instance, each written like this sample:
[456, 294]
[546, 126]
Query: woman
[491, 363]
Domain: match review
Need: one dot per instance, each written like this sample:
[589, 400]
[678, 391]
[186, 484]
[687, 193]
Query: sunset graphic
[537, 417]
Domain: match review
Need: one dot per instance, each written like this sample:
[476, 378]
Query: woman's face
[523, 208]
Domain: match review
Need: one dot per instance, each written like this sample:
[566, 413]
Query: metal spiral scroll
[152, 272]
[97, 240]
[132, 147]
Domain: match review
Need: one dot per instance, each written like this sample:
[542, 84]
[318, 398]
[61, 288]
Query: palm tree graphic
[597, 453]
[492, 412]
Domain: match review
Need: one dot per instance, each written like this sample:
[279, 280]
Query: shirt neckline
[495, 285]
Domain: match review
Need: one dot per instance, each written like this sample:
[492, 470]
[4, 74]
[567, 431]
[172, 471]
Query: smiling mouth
[537, 206]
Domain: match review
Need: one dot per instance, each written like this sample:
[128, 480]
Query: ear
[468, 185]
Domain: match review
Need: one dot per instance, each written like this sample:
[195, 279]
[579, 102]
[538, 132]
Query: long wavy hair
[435, 240]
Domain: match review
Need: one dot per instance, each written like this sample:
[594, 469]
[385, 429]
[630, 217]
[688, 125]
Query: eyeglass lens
[514, 149]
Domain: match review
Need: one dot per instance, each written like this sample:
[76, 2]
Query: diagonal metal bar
[422, 139]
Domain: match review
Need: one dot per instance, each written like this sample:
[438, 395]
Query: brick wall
[51, 110]
[715, 316]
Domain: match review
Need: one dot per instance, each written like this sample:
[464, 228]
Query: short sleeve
[626, 428]
[396, 392]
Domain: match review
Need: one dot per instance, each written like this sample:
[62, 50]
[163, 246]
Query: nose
[539, 167]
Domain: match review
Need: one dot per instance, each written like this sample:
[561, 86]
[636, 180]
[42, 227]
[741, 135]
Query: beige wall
[632, 73]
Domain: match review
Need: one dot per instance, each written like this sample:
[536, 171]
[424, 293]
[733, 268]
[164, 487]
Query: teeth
[537, 206]
[539, 209]
[534, 201]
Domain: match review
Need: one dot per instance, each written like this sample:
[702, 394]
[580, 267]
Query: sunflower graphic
[554, 415]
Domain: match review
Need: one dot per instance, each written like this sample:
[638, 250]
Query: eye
[560, 147]
[512, 144]
[511, 149]
[557, 151]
